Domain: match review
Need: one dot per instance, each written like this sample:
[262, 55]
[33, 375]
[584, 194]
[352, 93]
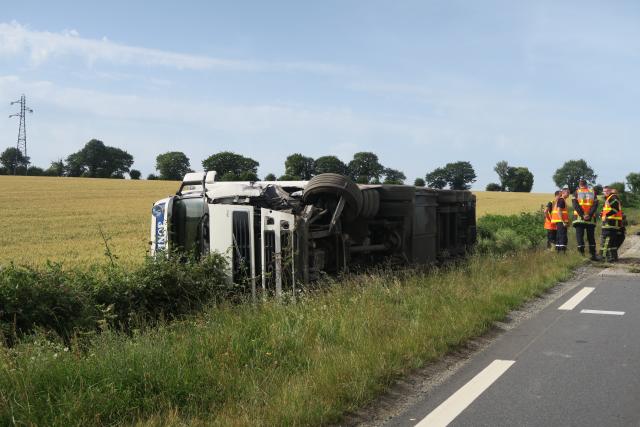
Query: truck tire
[333, 184]
[370, 203]
[396, 193]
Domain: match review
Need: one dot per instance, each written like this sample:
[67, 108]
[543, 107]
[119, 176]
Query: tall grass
[272, 363]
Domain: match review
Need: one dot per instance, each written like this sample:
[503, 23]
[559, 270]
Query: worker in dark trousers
[611, 217]
[560, 217]
[549, 226]
[621, 235]
[585, 206]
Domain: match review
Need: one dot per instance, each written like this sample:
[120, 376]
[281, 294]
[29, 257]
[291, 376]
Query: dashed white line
[458, 401]
[613, 313]
[576, 299]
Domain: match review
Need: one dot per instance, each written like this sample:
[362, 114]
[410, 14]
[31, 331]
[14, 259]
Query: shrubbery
[507, 233]
[70, 301]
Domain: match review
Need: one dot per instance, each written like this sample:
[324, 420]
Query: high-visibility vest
[585, 198]
[559, 214]
[611, 221]
[548, 225]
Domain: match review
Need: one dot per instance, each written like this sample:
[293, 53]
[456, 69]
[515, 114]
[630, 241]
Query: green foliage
[56, 168]
[330, 164]
[270, 177]
[173, 166]
[134, 174]
[151, 177]
[570, 174]
[499, 234]
[71, 301]
[271, 363]
[12, 158]
[35, 171]
[458, 175]
[419, 182]
[492, 186]
[286, 177]
[513, 178]
[393, 176]
[299, 166]
[633, 181]
[232, 167]
[502, 169]
[365, 168]
[97, 160]
[4, 171]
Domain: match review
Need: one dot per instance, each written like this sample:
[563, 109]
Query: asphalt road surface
[576, 363]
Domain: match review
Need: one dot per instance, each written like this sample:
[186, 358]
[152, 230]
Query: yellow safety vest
[611, 221]
[585, 198]
[559, 214]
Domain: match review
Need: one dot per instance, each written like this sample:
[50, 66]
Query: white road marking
[458, 401]
[614, 313]
[576, 299]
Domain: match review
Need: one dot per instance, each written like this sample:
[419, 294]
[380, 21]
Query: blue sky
[420, 83]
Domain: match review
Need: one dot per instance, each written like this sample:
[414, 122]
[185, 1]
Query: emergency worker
[585, 206]
[560, 217]
[622, 234]
[611, 225]
[551, 227]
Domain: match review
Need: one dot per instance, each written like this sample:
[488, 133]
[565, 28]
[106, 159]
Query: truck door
[231, 233]
[277, 250]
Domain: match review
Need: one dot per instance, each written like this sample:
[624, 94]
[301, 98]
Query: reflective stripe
[611, 221]
[559, 214]
[585, 198]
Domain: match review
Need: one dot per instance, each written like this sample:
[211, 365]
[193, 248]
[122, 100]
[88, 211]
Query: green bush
[501, 234]
[71, 301]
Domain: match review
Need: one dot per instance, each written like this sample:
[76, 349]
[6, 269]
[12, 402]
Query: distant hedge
[72, 301]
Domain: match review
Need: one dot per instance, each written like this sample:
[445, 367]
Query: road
[577, 362]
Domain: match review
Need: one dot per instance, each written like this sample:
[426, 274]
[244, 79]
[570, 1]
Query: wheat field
[60, 219]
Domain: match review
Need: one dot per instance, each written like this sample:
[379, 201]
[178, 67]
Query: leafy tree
[458, 175]
[56, 168]
[330, 164]
[134, 174]
[97, 160]
[12, 159]
[572, 172]
[232, 167]
[493, 187]
[365, 168]
[3, 170]
[393, 176]
[286, 177]
[502, 169]
[35, 171]
[419, 182]
[598, 188]
[299, 166]
[633, 181]
[519, 179]
[270, 177]
[173, 166]
[619, 186]
[151, 177]
[437, 178]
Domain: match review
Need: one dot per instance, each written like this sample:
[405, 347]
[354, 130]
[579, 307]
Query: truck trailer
[276, 234]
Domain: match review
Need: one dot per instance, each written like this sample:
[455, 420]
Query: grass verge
[272, 364]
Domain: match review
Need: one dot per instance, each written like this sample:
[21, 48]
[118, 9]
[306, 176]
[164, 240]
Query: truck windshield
[186, 224]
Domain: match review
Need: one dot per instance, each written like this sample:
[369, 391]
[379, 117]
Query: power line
[21, 145]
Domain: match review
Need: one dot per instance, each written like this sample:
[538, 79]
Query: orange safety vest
[559, 215]
[586, 198]
[548, 225]
[611, 221]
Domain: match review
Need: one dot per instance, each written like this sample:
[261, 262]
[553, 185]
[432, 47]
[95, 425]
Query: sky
[420, 83]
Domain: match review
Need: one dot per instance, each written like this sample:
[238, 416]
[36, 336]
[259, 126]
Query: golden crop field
[59, 219]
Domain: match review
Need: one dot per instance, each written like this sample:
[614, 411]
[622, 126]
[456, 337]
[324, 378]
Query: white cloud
[43, 46]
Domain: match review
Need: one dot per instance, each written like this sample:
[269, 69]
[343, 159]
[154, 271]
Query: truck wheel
[396, 193]
[333, 184]
[370, 203]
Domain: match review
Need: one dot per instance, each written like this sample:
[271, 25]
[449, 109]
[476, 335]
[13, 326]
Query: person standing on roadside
[585, 206]
[551, 227]
[611, 225]
[560, 217]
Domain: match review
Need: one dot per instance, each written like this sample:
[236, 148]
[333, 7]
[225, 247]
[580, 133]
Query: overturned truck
[279, 233]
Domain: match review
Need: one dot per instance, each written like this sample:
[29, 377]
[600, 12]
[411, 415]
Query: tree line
[97, 160]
